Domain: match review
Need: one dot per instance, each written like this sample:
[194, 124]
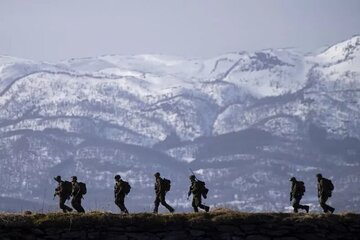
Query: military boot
[306, 209]
[207, 208]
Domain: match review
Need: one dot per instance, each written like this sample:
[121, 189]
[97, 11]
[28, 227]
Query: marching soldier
[161, 187]
[197, 190]
[325, 188]
[296, 193]
[120, 190]
[63, 190]
[77, 195]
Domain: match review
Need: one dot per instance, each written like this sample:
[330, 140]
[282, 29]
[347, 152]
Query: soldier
[161, 187]
[77, 195]
[196, 189]
[120, 192]
[63, 190]
[325, 188]
[297, 191]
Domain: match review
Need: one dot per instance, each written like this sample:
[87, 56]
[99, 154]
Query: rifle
[192, 172]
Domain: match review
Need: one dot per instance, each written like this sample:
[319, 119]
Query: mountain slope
[245, 122]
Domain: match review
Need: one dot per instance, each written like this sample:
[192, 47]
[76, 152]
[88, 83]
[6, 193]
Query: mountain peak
[342, 51]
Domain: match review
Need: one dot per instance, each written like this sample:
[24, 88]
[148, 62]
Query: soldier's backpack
[126, 187]
[82, 186]
[166, 184]
[66, 188]
[328, 185]
[201, 186]
[300, 188]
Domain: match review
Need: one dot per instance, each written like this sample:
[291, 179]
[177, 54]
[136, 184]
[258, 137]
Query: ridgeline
[220, 224]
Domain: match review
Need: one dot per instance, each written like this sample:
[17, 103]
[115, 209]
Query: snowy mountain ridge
[241, 120]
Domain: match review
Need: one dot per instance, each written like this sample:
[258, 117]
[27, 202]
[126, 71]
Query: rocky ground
[219, 224]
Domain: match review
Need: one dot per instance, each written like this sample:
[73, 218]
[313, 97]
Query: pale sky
[53, 30]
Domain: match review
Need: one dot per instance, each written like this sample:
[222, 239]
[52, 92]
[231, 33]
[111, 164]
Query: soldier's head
[293, 179]
[192, 178]
[57, 178]
[117, 177]
[319, 176]
[157, 175]
[73, 178]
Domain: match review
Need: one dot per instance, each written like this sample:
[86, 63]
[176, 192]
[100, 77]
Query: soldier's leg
[76, 203]
[117, 202]
[304, 207]
[81, 209]
[323, 204]
[164, 203]
[121, 203]
[65, 208]
[156, 204]
[295, 204]
[193, 204]
[62, 204]
[200, 205]
[124, 207]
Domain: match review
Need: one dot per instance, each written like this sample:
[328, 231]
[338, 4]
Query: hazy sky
[57, 29]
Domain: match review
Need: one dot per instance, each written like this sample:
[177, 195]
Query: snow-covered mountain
[244, 122]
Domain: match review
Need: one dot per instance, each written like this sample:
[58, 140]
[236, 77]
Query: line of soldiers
[324, 186]
[76, 190]
[65, 190]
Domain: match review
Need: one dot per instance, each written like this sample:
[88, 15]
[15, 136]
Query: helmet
[157, 174]
[192, 177]
[57, 178]
[117, 177]
[319, 175]
[293, 179]
[74, 178]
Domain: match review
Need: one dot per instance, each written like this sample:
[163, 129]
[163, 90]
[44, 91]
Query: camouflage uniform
[323, 194]
[160, 195]
[196, 192]
[119, 194]
[296, 195]
[59, 191]
[76, 196]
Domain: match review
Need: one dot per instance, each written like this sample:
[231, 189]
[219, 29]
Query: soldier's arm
[115, 191]
[75, 191]
[159, 185]
[120, 188]
[189, 193]
[58, 190]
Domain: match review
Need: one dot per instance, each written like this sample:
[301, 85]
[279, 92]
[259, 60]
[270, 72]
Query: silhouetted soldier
[77, 195]
[120, 191]
[197, 190]
[297, 191]
[63, 190]
[161, 187]
[325, 188]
